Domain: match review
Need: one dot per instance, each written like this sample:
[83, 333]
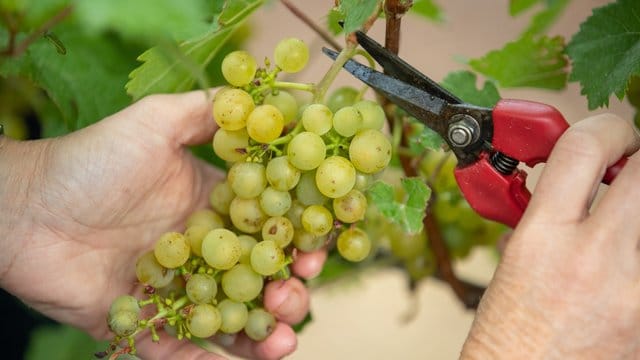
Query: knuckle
[582, 143]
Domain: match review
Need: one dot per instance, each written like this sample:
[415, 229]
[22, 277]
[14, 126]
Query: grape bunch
[296, 182]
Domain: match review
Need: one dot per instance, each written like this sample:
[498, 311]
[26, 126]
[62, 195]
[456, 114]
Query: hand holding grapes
[79, 210]
[567, 286]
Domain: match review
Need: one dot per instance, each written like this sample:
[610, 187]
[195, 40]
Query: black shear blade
[419, 103]
[394, 66]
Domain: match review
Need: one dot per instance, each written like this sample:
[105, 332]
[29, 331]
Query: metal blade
[417, 102]
[396, 67]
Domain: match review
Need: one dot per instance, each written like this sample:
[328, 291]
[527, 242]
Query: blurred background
[373, 315]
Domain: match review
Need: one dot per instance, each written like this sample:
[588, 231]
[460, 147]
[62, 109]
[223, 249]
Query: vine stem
[17, 49]
[324, 84]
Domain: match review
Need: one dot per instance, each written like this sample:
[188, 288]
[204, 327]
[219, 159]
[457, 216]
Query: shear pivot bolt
[464, 131]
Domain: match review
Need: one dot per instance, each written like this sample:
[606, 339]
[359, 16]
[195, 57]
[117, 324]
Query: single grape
[308, 242]
[295, 214]
[174, 289]
[370, 151]
[306, 150]
[335, 176]
[281, 175]
[231, 145]
[341, 97]
[275, 202]
[150, 272]
[291, 55]
[201, 289]
[221, 197]
[172, 250]
[307, 191]
[234, 316]
[350, 207]
[123, 323]
[267, 258]
[241, 283]
[285, 102]
[124, 303]
[203, 320]
[373, 116]
[205, 217]
[231, 109]
[279, 230]
[317, 220]
[195, 234]
[265, 123]
[260, 324]
[238, 68]
[247, 215]
[354, 244]
[406, 246]
[347, 121]
[221, 249]
[246, 244]
[247, 179]
[317, 118]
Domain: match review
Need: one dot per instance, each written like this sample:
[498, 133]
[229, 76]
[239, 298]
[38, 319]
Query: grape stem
[324, 84]
[294, 85]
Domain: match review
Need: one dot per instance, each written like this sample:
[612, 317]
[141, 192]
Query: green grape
[458, 241]
[354, 244]
[241, 283]
[203, 320]
[267, 258]
[363, 181]
[421, 266]
[124, 303]
[317, 220]
[445, 207]
[370, 151]
[260, 324]
[308, 242]
[291, 55]
[123, 323]
[246, 244]
[275, 202]
[174, 289]
[234, 316]
[347, 121]
[247, 215]
[350, 207]
[205, 217]
[307, 191]
[221, 197]
[238, 68]
[231, 109]
[172, 250]
[279, 230]
[295, 214]
[281, 175]
[317, 118]
[265, 123]
[341, 97]
[285, 102]
[247, 179]
[306, 150]
[373, 116]
[335, 176]
[201, 289]
[406, 246]
[195, 234]
[221, 249]
[231, 145]
[150, 272]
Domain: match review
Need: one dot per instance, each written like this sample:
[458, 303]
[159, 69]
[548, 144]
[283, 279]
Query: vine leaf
[169, 69]
[463, 84]
[427, 9]
[516, 7]
[605, 52]
[545, 18]
[527, 62]
[408, 213]
[334, 18]
[423, 138]
[356, 13]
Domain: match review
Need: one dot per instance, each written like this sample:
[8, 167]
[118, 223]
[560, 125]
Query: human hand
[85, 206]
[568, 282]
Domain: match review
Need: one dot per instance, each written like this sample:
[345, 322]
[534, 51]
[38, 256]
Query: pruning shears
[489, 143]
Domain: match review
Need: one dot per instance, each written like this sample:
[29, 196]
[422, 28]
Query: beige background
[363, 319]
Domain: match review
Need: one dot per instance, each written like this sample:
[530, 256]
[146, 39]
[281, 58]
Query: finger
[308, 265]
[170, 348]
[576, 166]
[280, 343]
[287, 300]
[210, 176]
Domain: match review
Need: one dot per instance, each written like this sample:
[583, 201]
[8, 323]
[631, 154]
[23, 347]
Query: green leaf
[526, 62]
[62, 342]
[175, 69]
[516, 7]
[463, 84]
[424, 138]
[605, 52]
[87, 83]
[357, 12]
[427, 9]
[333, 19]
[547, 17]
[409, 213]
